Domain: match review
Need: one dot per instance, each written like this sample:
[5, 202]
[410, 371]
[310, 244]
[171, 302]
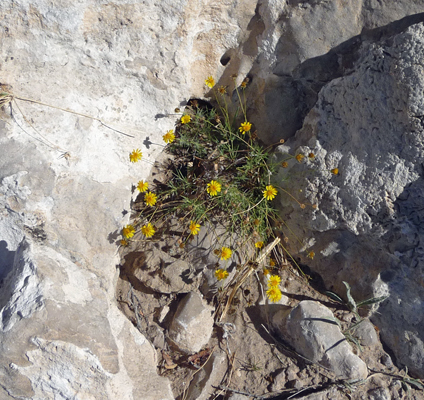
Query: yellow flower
[311, 255]
[222, 89]
[142, 186]
[300, 157]
[271, 262]
[136, 155]
[221, 274]
[148, 230]
[335, 171]
[311, 155]
[245, 127]
[210, 82]
[169, 136]
[259, 245]
[274, 294]
[270, 192]
[284, 164]
[124, 242]
[225, 253]
[185, 119]
[274, 281]
[213, 188]
[128, 231]
[244, 83]
[150, 199]
[194, 228]
[266, 271]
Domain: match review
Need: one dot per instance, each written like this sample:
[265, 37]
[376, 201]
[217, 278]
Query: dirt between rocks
[245, 357]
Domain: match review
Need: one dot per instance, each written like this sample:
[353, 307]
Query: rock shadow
[6, 260]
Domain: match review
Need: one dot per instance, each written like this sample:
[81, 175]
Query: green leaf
[350, 301]
[334, 296]
[415, 383]
[372, 301]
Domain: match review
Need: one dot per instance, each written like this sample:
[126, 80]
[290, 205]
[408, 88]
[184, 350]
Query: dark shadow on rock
[6, 260]
[260, 315]
[113, 237]
[132, 261]
[147, 142]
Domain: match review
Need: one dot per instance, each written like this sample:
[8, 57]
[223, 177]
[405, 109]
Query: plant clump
[220, 173]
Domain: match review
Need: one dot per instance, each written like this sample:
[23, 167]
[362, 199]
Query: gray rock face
[288, 72]
[191, 326]
[365, 333]
[366, 229]
[311, 329]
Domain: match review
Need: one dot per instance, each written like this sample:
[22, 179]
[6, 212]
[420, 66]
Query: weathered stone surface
[365, 333]
[311, 329]
[292, 36]
[379, 394]
[191, 326]
[205, 382]
[65, 188]
[367, 229]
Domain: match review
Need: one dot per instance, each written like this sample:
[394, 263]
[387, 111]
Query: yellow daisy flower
[169, 136]
[185, 119]
[124, 242]
[259, 245]
[128, 231]
[270, 192]
[272, 262]
[335, 171]
[225, 253]
[274, 281]
[213, 188]
[311, 255]
[245, 127]
[194, 228]
[222, 90]
[266, 271]
[300, 157]
[142, 186]
[136, 155]
[150, 199]
[274, 294]
[210, 82]
[221, 274]
[148, 230]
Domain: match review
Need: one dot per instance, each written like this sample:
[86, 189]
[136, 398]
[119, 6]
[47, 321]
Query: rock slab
[311, 329]
[192, 324]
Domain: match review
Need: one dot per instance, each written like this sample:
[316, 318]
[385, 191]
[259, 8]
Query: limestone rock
[366, 228]
[65, 179]
[205, 382]
[365, 333]
[301, 47]
[191, 326]
[379, 394]
[311, 329]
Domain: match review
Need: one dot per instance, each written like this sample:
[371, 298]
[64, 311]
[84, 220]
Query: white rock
[192, 324]
[311, 329]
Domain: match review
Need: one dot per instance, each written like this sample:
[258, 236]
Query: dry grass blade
[247, 271]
